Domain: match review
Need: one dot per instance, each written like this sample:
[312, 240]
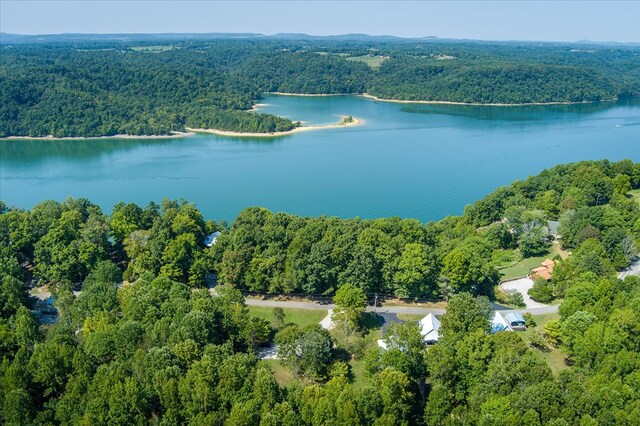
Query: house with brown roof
[544, 271]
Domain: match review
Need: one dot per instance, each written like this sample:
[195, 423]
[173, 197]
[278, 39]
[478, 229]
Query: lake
[409, 160]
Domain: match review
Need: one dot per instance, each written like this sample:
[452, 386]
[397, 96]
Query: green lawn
[521, 269]
[373, 61]
[281, 373]
[302, 317]
[357, 365]
[554, 357]
[359, 374]
[635, 194]
[410, 317]
[541, 320]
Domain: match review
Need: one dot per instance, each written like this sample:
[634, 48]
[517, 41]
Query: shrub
[551, 331]
[531, 322]
[542, 291]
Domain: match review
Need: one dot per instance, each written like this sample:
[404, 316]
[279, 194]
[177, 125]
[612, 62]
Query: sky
[480, 20]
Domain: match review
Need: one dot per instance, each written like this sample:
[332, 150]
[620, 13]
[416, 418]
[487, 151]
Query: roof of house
[514, 317]
[498, 323]
[548, 263]
[541, 272]
[429, 327]
[545, 270]
[552, 225]
[211, 239]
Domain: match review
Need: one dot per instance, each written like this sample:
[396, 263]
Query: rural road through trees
[382, 309]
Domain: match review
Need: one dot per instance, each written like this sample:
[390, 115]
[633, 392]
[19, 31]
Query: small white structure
[429, 327]
[382, 344]
[211, 239]
[498, 323]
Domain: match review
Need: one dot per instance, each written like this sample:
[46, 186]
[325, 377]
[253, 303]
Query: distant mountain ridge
[7, 38]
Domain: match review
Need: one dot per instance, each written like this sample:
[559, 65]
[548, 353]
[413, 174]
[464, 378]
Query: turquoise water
[408, 160]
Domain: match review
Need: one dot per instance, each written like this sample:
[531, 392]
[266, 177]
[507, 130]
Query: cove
[423, 161]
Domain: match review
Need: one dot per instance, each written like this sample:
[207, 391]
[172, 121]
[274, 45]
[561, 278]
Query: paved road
[382, 309]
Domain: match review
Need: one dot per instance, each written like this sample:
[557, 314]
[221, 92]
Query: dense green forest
[160, 348]
[107, 87]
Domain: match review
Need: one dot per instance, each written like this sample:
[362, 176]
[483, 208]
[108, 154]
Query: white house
[211, 239]
[429, 327]
[498, 323]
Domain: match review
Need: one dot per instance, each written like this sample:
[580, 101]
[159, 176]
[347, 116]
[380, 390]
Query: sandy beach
[355, 122]
[80, 138]
[256, 107]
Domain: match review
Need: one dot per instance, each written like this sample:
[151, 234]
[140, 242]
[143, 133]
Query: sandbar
[354, 122]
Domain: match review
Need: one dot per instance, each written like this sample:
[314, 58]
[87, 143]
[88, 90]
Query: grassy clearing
[358, 372]
[373, 61]
[430, 305]
[521, 269]
[554, 357]
[555, 360]
[410, 317]
[302, 317]
[374, 332]
[541, 320]
[152, 49]
[635, 194]
[281, 373]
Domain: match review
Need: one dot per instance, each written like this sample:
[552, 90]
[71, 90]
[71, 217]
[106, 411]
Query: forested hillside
[71, 92]
[158, 347]
[96, 88]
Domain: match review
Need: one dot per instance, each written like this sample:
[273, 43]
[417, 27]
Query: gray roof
[514, 317]
[553, 226]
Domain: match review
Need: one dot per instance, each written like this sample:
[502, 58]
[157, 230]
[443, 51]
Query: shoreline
[311, 94]
[403, 101]
[375, 98]
[173, 135]
[192, 132]
[256, 107]
[355, 122]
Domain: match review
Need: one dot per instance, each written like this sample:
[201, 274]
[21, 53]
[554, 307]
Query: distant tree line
[105, 88]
